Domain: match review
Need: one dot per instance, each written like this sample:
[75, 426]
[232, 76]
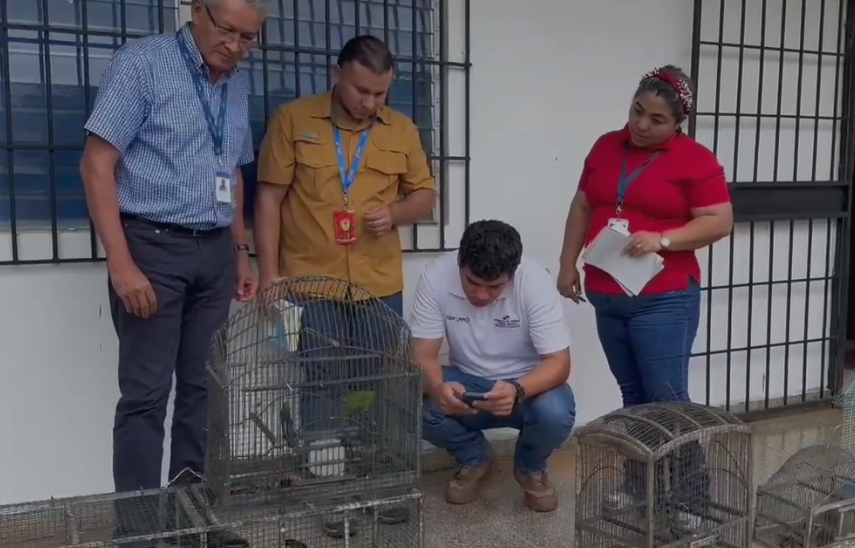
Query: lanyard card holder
[344, 220]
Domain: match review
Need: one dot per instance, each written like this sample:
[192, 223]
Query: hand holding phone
[499, 401]
[449, 398]
[471, 397]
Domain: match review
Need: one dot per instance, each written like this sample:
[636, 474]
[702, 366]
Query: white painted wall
[547, 78]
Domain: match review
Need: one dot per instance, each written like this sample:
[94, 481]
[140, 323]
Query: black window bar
[804, 48]
[52, 55]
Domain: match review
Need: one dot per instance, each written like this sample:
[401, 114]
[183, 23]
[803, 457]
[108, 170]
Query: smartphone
[471, 397]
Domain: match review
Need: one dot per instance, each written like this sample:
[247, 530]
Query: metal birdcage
[313, 392]
[809, 502]
[664, 474]
[183, 516]
[845, 400]
[336, 524]
[142, 518]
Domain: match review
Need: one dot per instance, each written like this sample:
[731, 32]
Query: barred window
[56, 52]
[52, 55]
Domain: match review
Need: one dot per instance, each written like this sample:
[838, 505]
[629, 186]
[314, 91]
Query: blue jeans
[337, 341]
[647, 341]
[544, 422]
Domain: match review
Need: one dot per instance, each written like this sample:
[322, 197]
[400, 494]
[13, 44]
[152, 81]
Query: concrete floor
[500, 520]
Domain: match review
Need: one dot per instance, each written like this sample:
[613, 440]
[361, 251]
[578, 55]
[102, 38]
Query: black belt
[173, 228]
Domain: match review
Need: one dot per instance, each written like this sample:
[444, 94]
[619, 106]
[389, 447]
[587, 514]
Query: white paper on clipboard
[631, 273]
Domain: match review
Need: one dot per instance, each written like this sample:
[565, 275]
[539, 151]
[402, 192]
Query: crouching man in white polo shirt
[509, 351]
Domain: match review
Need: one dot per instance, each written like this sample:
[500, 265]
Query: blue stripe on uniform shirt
[147, 107]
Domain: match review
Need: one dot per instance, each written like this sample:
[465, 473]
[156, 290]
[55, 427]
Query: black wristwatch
[242, 247]
[520, 399]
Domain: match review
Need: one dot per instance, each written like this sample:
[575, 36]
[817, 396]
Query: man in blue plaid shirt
[161, 169]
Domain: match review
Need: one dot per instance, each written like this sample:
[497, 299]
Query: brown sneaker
[539, 494]
[465, 486]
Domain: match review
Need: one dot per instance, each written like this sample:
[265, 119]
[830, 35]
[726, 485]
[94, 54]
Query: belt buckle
[197, 232]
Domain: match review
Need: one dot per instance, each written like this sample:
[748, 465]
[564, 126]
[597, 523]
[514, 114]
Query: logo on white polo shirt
[456, 319]
[506, 322]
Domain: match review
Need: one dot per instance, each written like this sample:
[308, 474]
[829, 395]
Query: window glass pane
[33, 196]
[27, 90]
[65, 85]
[49, 85]
[124, 17]
[5, 181]
[5, 126]
[427, 137]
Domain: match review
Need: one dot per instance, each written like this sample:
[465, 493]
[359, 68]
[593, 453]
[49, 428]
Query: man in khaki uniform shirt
[338, 174]
[302, 207]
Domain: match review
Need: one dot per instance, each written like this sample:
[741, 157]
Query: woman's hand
[641, 243]
[570, 284]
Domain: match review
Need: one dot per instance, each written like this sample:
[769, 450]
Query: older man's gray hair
[260, 5]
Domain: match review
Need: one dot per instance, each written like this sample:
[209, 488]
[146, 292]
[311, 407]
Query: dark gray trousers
[193, 276]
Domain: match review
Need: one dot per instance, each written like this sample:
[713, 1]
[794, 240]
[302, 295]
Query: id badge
[619, 225]
[223, 187]
[345, 227]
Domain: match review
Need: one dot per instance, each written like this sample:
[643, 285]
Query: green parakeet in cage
[358, 403]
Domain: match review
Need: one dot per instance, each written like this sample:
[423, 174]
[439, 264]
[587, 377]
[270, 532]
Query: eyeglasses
[230, 36]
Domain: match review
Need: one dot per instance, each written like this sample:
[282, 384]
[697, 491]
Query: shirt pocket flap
[390, 159]
[312, 151]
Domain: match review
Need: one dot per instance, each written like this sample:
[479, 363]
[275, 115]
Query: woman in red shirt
[670, 193]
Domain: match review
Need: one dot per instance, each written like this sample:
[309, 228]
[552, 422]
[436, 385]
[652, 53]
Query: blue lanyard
[626, 180]
[349, 175]
[215, 127]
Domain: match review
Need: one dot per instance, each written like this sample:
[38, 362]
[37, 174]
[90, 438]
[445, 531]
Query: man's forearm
[432, 371]
[415, 207]
[238, 224]
[102, 200]
[266, 233]
[552, 371]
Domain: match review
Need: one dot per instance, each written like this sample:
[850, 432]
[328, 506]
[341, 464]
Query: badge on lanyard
[617, 222]
[345, 227]
[345, 219]
[223, 190]
[619, 225]
[216, 127]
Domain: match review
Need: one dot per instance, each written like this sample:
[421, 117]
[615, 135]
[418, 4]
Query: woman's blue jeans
[647, 341]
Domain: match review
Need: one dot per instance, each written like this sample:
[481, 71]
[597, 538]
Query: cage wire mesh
[845, 400]
[314, 393]
[808, 502]
[184, 516]
[143, 518]
[339, 524]
[664, 474]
